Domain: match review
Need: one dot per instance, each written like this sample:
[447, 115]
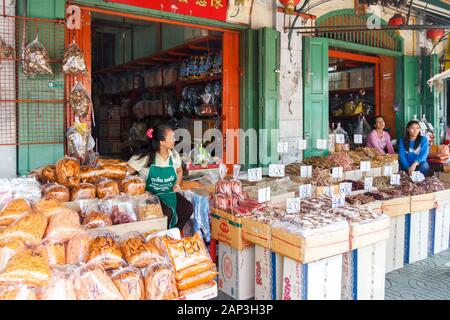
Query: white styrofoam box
[439, 230]
[396, 244]
[318, 280]
[416, 236]
[363, 273]
[268, 274]
[237, 271]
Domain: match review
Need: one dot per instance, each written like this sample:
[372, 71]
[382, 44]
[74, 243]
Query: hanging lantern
[434, 35]
[290, 5]
[396, 20]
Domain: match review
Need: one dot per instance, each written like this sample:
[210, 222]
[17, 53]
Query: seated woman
[160, 165]
[413, 150]
[380, 139]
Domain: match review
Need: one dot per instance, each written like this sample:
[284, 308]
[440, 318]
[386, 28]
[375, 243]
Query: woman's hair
[159, 134]
[406, 138]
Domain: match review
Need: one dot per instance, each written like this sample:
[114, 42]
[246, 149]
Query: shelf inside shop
[189, 82]
[356, 90]
[350, 117]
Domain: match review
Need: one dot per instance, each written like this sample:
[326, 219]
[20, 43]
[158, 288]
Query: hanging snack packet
[80, 100]
[73, 61]
[35, 59]
[78, 139]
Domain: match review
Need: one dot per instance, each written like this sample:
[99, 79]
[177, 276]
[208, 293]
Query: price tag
[283, 147]
[340, 138]
[358, 138]
[276, 170]
[337, 172]
[345, 188]
[305, 191]
[322, 144]
[293, 205]
[395, 179]
[302, 144]
[328, 191]
[387, 171]
[417, 176]
[368, 183]
[365, 166]
[263, 195]
[305, 171]
[338, 200]
[255, 174]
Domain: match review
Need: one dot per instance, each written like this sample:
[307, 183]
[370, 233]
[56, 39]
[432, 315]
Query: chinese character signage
[210, 9]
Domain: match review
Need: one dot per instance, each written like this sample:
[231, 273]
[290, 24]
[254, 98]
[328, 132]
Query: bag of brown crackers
[130, 283]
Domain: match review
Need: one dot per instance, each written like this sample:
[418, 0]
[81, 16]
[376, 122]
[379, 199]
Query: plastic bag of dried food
[77, 248]
[100, 161]
[46, 174]
[73, 61]
[48, 207]
[195, 270]
[30, 229]
[137, 252]
[187, 252]
[132, 185]
[17, 292]
[104, 249]
[54, 191]
[160, 282]
[93, 283]
[56, 253]
[223, 186]
[29, 266]
[63, 226]
[114, 171]
[8, 250]
[6, 192]
[198, 279]
[121, 209]
[201, 287]
[90, 174]
[107, 188]
[79, 100]
[78, 141]
[61, 285]
[5, 50]
[236, 185]
[67, 171]
[130, 283]
[13, 211]
[27, 188]
[83, 191]
[35, 59]
[96, 219]
[147, 207]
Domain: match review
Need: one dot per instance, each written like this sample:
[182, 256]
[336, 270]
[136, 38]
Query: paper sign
[322, 144]
[422, 125]
[337, 172]
[264, 195]
[345, 188]
[358, 138]
[293, 205]
[395, 179]
[368, 183]
[365, 166]
[305, 171]
[328, 191]
[255, 174]
[387, 171]
[283, 147]
[340, 138]
[276, 170]
[337, 200]
[305, 191]
[302, 144]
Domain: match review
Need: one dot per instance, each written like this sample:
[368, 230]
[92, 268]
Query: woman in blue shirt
[413, 150]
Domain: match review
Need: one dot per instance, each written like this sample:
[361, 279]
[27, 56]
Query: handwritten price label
[302, 144]
[358, 138]
[368, 183]
[255, 174]
[305, 191]
[293, 205]
[305, 171]
[328, 191]
[264, 195]
[337, 172]
[387, 171]
[276, 170]
[395, 179]
[338, 200]
[322, 144]
[345, 188]
[340, 138]
[283, 147]
[365, 166]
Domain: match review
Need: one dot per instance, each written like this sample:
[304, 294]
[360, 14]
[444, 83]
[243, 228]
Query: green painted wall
[430, 98]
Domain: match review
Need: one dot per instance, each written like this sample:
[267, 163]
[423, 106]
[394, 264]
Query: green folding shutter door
[430, 98]
[411, 86]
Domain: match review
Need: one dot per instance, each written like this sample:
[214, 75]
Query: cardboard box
[363, 273]
[422, 202]
[356, 79]
[397, 207]
[439, 230]
[396, 244]
[319, 280]
[416, 236]
[369, 232]
[237, 271]
[256, 232]
[268, 274]
[313, 245]
[228, 229]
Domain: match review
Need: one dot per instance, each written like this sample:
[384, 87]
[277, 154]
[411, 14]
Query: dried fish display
[36, 60]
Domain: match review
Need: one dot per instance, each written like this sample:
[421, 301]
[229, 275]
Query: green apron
[160, 182]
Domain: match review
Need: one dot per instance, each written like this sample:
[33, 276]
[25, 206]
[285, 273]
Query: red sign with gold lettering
[210, 9]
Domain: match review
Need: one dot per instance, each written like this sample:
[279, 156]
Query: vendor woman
[380, 139]
[160, 166]
[413, 150]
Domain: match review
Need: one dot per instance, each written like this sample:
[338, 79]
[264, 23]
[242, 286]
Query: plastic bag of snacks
[107, 188]
[104, 249]
[198, 288]
[93, 283]
[132, 185]
[6, 192]
[90, 174]
[63, 226]
[223, 186]
[46, 174]
[83, 191]
[29, 266]
[61, 285]
[35, 59]
[77, 248]
[147, 207]
[137, 252]
[56, 253]
[160, 282]
[27, 188]
[221, 202]
[8, 250]
[13, 211]
[17, 292]
[79, 100]
[100, 161]
[54, 191]
[48, 207]
[30, 229]
[96, 219]
[121, 209]
[73, 61]
[67, 171]
[79, 141]
[236, 185]
[6, 51]
[113, 171]
[198, 279]
[130, 283]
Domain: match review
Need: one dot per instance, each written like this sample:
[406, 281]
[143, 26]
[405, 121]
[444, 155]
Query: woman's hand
[176, 188]
[412, 168]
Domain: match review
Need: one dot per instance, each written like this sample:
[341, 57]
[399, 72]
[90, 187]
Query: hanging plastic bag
[73, 61]
[35, 59]
[201, 215]
[79, 140]
[223, 186]
[80, 100]
[5, 50]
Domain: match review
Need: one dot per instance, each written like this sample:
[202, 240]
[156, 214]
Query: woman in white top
[160, 166]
